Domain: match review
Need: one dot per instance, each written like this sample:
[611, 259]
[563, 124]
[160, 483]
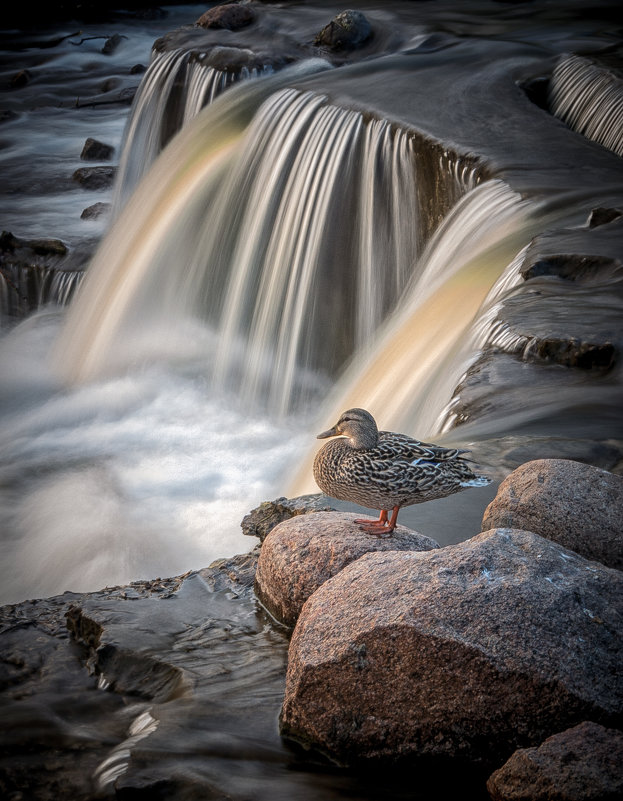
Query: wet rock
[464, 653]
[138, 69]
[95, 177]
[261, 520]
[231, 16]
[20, 79]
[300, 554]
[94, 150]
[573, 267]
[95, 211]
[574, 504]
[112, 43]
[38, 247]
[580, 764]
[109, 85]
[346, 31]
[603, 216]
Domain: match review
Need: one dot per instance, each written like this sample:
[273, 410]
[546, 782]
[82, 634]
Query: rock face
[574, 504]
[300, 554]
[466, 652]
[580, 764]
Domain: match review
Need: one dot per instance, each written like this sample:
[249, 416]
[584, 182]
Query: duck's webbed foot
[379, 528]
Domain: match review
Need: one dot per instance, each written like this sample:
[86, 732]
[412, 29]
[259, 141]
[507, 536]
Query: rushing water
[282, 245]
[303, 244]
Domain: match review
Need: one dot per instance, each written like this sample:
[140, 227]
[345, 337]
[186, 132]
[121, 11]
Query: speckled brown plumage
[383, 470]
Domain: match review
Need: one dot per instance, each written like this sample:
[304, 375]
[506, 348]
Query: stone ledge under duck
[384, 470]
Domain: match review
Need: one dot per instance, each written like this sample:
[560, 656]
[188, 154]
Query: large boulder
[580, 764]
[574, 504]
[301, 553]
[464, 653]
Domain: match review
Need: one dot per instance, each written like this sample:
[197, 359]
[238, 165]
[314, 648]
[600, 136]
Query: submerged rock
[300, 554]
[466, 652]
[95, 177]
[580, 764]
[95, 211]
[574, 504]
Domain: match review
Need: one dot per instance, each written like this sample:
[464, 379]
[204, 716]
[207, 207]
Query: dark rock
[231, 16]
[300, 554]
[261, 520]
[574, 504]
[580, 764]
[112, 43]
[346, 31]
[20, 79]
[463, 653]
[95, 211]
[573, 267]
[95, 177]
[109, 85]
[573, 353]
[602, 216]
[138, 69]
[94, 150]
[39, 247]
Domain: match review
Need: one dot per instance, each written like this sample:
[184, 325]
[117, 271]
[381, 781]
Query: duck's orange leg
[379, 527]
[394, 518]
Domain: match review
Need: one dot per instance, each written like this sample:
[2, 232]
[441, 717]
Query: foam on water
[141, 475]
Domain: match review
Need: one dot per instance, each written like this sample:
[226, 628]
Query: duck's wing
[400, 447]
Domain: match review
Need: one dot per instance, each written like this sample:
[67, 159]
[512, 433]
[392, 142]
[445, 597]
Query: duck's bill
[332, 432]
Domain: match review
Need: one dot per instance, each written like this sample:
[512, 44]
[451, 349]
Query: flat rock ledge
[456, 656]
[300, 554]
[580, 764]
[574, 504]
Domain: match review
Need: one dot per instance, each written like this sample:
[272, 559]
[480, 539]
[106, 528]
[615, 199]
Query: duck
[385, 470]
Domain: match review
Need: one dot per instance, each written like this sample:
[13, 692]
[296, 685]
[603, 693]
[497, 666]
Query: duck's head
[358, 426]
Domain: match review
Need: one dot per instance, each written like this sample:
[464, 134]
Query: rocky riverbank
[499, 655]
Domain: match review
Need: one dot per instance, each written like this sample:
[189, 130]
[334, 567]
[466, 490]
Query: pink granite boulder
[300, 554]
[457, 655]
[574, 504]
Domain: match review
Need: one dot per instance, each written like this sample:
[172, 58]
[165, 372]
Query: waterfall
[589, 99]
[408, 373]
[291, 228]
[176, 86]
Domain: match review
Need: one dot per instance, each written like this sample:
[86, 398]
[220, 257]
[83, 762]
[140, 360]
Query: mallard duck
[383, 470]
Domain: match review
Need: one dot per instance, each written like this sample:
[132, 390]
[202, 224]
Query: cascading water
[177, 85]
[589, 99]
[306, 222]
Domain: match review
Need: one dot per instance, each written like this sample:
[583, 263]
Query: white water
[590, 100]
[146, 463]
[174, 89]
[406, 376]
[140, 475]
[301, 224]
